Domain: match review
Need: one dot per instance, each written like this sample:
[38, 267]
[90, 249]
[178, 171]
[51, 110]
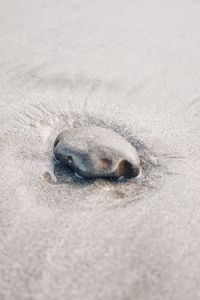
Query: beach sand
[133, 66]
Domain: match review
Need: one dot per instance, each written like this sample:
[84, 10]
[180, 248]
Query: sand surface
[133, 66]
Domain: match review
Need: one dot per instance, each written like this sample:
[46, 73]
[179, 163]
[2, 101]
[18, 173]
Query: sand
[133, 66]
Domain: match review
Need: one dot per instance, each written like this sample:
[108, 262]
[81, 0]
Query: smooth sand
[134, 61]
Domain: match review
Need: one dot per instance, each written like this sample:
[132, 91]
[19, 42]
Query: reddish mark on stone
[105, 163]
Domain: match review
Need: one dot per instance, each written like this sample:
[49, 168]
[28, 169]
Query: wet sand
[132, 67]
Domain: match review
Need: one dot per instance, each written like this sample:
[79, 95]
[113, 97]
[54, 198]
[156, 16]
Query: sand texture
[132, 66]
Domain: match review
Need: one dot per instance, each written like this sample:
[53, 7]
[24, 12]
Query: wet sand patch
[55, 184]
